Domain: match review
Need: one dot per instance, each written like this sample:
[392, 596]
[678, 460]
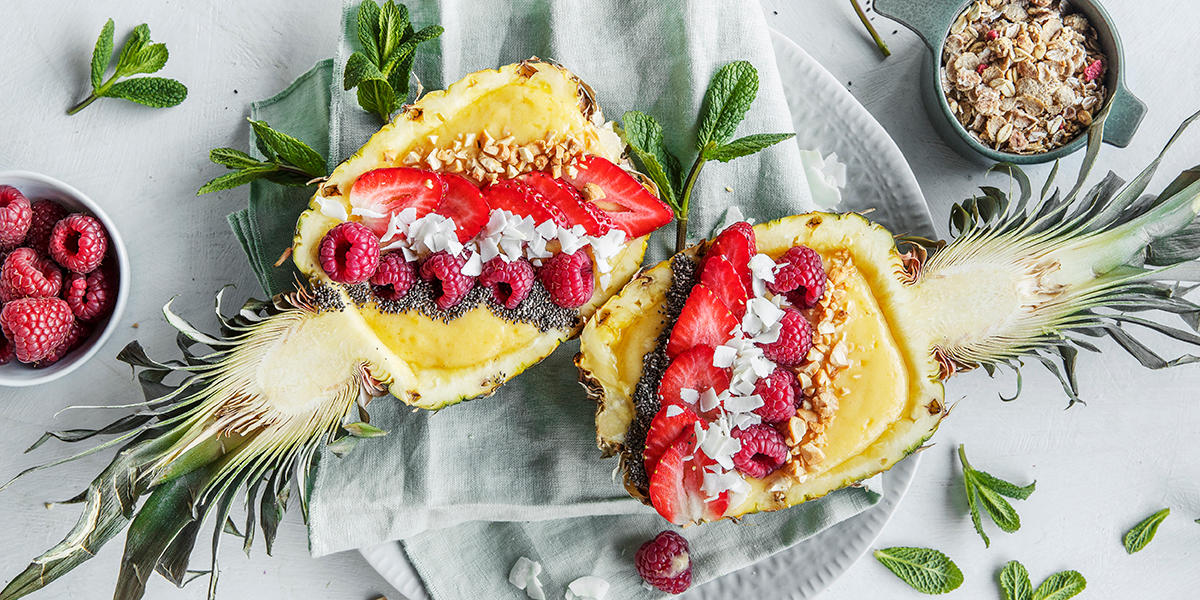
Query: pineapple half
[241, 418]
[1024, 278]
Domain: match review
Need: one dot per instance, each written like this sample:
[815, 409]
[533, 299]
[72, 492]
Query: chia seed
[327, 299]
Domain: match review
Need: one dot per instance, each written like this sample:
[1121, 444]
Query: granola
[1023, 76]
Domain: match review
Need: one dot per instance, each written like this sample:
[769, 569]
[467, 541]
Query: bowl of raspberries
[63, 278]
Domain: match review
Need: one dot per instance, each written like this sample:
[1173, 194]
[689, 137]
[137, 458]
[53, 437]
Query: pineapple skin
[626, 327]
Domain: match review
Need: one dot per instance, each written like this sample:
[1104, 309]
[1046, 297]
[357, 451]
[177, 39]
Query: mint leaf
[1001, 512]
[400, 75]
[137, 40]
[150, 59]
[393, 19]
[289, 161]
[986, 490]
[645, 136]
[973, 507]
[364, 430]
[102, 54]
[428, 33]
[1014, 582]
[1003, 487]
[232, 158]
[368, 30]
[1061, 586]
[290, 149]
[234, 179]
[1142, 533]
[382, 69]
[158, 92]
[358, 68]
[377, 96]
[728, 98]
[745, 146]
[925, 570]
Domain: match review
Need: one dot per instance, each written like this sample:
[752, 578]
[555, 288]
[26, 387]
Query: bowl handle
[1123, 117]
[929, 19]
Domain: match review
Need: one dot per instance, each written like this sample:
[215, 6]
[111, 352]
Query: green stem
[962, 455]
[684, 197]
[95, 95]
[862, 16]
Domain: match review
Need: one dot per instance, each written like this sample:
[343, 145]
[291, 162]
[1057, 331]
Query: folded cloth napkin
[472, 488]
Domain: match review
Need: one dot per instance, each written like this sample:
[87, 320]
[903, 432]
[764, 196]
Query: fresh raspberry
[664, 563]
[800, 275]
[394, 277]
[763, 451]
[78, 243]
[15, 214]
[27, 275]
[75, 338]
[795, 339]
[349, 253]
[90, 296]
[568, 278]
[778, 393]
[444, 271]
[6, 351]
[46, 213]
[510, 282]
[36, 326]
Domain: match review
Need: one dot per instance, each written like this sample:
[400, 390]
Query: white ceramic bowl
[35, 186]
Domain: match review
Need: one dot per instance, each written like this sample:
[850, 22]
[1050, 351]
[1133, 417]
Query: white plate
[828, 118]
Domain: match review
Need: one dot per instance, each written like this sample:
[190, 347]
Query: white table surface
[1100, 468]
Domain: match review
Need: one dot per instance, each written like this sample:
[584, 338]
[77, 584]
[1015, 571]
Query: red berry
[27, 275]
[78, 243]
[726, 281]
[389, 191]
[509, 282]
[763, 451]
[704, 321]
[75, 338]
[450, 285]
[464, 204]
[570, 203]
[568, 278]
[676, 485]
[664, 563]
[521, 199]
[980, 68]
[15, 215]
[799, 275]
[630, 206]
[91, 297]
[46, 213]
[36, 326]
[992, 34]
[6, 351]
[795, 339]
[1093, 70]
[394, 276]
[667, 429]
[349, 253]
[737, 244]
[778, 393]
[693, 370]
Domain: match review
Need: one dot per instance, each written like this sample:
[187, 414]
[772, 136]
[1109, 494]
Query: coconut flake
[333, 209]
[588, 587]
[473, 266]
[674, 410]
[362, 211]
[709, 400]
[763, 267]
[689, 395]
[766, 311]
[743, 404]
[723, 356]
[523, 572]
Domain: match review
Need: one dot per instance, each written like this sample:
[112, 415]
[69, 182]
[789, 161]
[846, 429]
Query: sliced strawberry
[521, 199]
[726, 281]
[676, 482]
[628, 203]
[704, 320]
[665, 430]
[575, 210]
[464, 204]
[388, 191]
[692, 370]
[735, 243]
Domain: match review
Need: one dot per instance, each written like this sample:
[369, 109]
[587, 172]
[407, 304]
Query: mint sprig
[381, 70]
[729, 96]
[289, 161]
[988, 491]
[137, 56]
[924, 569]
[1142, 533]
[1015, 583]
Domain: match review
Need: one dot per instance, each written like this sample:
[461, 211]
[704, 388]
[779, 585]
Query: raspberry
[1093, 70]
[6, 351]
[349, 253]
[510, 282]
[568, 278]
[75, 338]
[992, 34]
[15, 214]
[444, 270]
[800, 275]
[778, 393]
[78, 243]
[394, 277]
[795, 339]
[763, 451]
[36, 326]
[46, 213]
[664, 562]
[27, 275]
[90, 296]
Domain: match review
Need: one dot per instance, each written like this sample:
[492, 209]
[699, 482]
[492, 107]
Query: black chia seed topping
[327, 299]
[645, 394]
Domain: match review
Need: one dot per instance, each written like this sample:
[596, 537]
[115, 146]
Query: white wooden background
[1100, 468]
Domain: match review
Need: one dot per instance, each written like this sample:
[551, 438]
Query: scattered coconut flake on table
[524, 576]
[588, 587]
[826, 178]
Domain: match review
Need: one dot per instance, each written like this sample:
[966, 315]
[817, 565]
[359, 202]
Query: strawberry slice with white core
[631, 206]
[675, 486]
[379, 194]
[521, 199]
[736, 244]
[575, 210]
[465, 205]
[704, 320]
[691, 381]
[673, 423]
[720, 275]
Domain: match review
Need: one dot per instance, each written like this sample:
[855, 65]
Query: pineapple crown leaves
[206, 471]
[730, 93]
[380, 71]
[984, 489]
[286, 161]
[137, 56]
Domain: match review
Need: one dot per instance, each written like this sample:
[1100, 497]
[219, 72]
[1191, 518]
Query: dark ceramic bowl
[931, 19]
